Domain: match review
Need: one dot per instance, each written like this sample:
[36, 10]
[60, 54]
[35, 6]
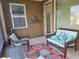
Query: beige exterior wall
[34, 29]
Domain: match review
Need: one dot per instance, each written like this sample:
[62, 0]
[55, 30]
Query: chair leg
[28, 45]
[47, 42]
[65, 54]
[65, 51]
[75, 48]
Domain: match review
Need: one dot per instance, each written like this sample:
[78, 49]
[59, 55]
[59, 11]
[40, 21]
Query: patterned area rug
[47, 52]
[19, 52]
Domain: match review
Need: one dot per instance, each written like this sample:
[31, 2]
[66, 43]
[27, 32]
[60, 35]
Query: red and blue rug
[46, 52]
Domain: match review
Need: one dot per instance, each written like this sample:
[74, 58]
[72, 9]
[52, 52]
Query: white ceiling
[38, 0]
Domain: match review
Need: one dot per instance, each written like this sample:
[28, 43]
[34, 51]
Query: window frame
[17, 16]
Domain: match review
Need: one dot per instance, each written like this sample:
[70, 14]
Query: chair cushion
[60, 38]
[63, 36]
[54, 37]
[60, 43]
[13, 37]
[69, 38]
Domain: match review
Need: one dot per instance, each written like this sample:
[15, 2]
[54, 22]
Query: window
[18, 15]
[75, 15]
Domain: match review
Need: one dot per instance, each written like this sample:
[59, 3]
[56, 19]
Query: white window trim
[18, 16]
[55, 26]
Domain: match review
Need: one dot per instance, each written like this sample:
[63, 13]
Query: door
[48, 17]
[1, 40]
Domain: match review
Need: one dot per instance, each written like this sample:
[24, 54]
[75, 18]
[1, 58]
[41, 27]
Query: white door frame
[45, 18]
[55, 21]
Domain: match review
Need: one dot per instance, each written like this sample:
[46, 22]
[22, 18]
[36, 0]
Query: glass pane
[48, 22]
[19, 22]
[75, 15]
[17, 10]
[67, 14]
[59, 17]
[1, 38]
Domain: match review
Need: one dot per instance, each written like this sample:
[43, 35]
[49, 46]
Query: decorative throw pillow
[54, 37]
[69, 38]
[58, 33]
[63, 36]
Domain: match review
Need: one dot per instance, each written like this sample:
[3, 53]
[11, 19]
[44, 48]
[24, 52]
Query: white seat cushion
[56, 42]
[13, 37]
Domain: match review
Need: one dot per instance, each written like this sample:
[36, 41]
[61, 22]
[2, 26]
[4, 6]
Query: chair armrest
[70, 42]
[48, 36]
[24, 38]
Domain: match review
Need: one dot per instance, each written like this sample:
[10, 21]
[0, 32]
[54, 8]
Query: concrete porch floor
[19, 52]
